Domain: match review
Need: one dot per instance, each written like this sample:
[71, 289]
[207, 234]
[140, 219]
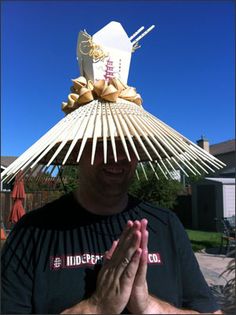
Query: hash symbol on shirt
[57, 263]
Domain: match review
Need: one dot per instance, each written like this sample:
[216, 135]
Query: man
[52, 259]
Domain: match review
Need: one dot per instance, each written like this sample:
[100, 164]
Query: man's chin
[113, 185]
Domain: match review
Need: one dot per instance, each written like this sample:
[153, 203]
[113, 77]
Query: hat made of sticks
[103, 108]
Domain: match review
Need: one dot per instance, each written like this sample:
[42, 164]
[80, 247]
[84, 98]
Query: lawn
[201, 240]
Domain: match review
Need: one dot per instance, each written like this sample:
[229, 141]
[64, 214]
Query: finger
[126, 256]
[113, 268]
[108, 254]
[141, 275]
[136, 225]
[127, 244]
[108, 261]
[144, 240]
[126, 230]
[128, 276]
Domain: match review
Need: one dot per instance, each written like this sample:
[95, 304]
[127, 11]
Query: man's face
[112, 178]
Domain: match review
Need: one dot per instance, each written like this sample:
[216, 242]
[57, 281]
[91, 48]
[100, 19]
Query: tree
[69, 178]
[161, 192]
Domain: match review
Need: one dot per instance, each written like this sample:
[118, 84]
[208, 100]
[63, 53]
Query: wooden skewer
[179, 166]
[136, 135]
[177, 154]
[82, 134]
[138, 129]
[121, 117]
[8, 178]
[35, 147]
[88, 131]
[196, 151]
[97, 131]
[104, 133]
[158, 164]
[174, 170]
[186, 154]
[143, 169]
[120, 133]
[171, 176]
[112, 130]
[165, 142]
[26, 159]
[150, 163]
[161, 137]
[143, 34]
[28, 174]
[43, 153]
[122, 137]
[81, 125]
[151, 133]
[207, 154]
[146, 131]
[162, 130]
[191, 166]
[39, 170]
[68, 133]
[166, 138]
[136, 33]
[210, 160]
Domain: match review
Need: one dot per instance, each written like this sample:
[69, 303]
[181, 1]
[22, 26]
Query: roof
[221, 180]
[223, 147]
[230, 170]
[7, 160]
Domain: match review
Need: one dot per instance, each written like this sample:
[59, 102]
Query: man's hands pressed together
[122, 280]
[117, 275]
[116, 278]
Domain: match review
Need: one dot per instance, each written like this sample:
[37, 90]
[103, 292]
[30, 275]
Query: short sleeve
[16, 273]
[196, 293]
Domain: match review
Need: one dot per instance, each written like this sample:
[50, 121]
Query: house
[224, 151]
[5, 162]
[46, 176]
[212, 198]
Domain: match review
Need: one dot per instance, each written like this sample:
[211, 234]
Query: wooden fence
[32, 201]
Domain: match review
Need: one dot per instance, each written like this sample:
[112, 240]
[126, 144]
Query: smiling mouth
[114, 171]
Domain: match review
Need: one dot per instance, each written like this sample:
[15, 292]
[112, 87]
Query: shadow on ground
[218, 251]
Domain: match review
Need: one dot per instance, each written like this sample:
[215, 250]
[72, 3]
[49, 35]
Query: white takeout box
[114, 41]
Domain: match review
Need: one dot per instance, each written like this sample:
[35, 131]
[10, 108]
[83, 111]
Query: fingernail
[144, 221]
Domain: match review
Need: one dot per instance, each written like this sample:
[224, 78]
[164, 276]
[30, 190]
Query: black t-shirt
[51, 258]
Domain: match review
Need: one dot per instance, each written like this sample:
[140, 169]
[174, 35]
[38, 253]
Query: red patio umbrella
[18, 196]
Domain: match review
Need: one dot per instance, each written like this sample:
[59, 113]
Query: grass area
[201, 240]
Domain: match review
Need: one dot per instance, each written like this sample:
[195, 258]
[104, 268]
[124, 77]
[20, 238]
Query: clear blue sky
[184, 69]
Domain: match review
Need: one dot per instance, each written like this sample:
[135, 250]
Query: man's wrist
[89, 306]
[95, 305]
[157, 306]
[154, 306]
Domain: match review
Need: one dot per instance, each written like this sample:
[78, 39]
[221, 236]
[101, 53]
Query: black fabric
[51, 258]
